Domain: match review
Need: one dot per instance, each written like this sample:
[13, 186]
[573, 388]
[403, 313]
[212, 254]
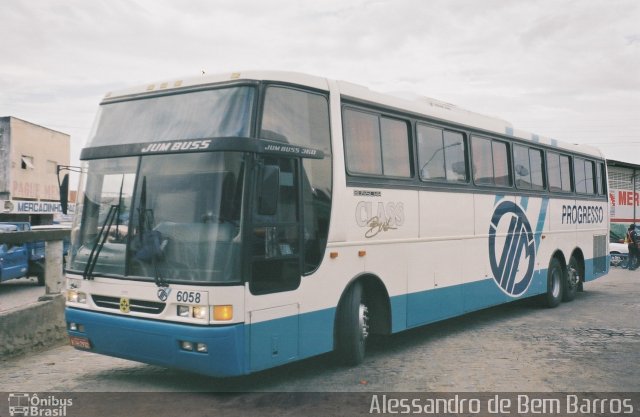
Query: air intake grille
[139, 306]
[600, 254]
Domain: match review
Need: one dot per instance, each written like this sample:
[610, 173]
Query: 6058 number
[188, 297]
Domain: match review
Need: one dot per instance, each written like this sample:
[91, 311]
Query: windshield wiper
[114, 211]
[101, 239]
[150, 241]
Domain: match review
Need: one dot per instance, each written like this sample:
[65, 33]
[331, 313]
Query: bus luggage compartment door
[273, 336]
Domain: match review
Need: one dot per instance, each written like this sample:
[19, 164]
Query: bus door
[275, 267]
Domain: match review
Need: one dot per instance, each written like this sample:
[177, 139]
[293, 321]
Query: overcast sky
[565, 69]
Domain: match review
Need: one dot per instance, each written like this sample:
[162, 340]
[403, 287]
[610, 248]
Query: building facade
[29, 156]
[624, 196]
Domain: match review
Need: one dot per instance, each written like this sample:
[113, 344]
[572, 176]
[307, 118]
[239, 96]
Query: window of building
[376, 145]
[26, 162]
[490, 162]
[52, 167]
[441, 155]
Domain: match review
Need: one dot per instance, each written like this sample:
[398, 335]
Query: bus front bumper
[159, 343]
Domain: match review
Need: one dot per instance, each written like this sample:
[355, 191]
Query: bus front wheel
[352, 326]
[555, 278]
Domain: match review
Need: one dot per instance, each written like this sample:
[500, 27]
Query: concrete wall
[32, 327]
[5, 161]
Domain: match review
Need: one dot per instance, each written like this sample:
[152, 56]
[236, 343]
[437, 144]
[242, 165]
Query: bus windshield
[222, 112]
[174, 218]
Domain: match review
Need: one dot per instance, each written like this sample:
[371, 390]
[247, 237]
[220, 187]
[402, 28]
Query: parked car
[14, 259]
[618, 249]
[22, 260]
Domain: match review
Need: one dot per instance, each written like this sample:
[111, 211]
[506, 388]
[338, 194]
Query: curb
[32, 327]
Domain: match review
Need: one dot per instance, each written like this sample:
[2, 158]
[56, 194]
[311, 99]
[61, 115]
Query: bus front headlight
[74, 296]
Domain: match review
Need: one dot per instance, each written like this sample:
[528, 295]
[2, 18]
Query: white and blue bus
[229, 224]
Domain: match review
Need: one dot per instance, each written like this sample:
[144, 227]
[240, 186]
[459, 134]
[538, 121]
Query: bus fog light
[76, 327]
[223, 312]
[202, 348]
[183, 311]
[200, 312]
[186, 346]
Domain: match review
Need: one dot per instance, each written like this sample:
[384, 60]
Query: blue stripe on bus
[442, 303]
[158, 342]
[541, 219]
[242, 348]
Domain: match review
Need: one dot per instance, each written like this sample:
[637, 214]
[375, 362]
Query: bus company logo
[163, 293]
[124, 305]
[380, 217]
[27, 405]
[513, 265]
[176, 146]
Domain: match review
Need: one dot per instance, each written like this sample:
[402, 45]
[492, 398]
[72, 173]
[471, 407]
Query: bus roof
[426, 106]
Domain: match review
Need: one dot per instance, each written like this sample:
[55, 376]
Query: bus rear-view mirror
[269, 189]
[64, 193]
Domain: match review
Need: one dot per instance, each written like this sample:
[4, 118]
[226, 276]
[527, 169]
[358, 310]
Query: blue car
[14, 259]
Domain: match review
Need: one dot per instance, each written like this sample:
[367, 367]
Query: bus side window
[301, 117]
[565, 173]
[276, 234]
[441, 155]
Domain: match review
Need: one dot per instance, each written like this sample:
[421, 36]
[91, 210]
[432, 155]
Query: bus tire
[555, 278]
[572, 280]
[352, 327]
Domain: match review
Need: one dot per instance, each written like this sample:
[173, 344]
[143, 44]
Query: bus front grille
[138, 306]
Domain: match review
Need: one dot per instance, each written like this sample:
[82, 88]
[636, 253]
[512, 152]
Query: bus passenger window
[589, 176]
[601, 186]
[431, 153]
[441, 155]
[482, 161]
[490, 162]
[553, 170]
[537, 169]
[455, 157]
[580, 179]
[395, 148]
[522, 167]
[528, 167]
[362, 142]
[500, 163]
[565, 172]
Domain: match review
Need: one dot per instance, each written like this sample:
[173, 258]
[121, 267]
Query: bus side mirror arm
[64, 185]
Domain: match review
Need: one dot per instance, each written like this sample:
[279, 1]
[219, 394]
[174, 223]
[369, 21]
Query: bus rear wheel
[352, 326]
[572, 281]
[555, 279]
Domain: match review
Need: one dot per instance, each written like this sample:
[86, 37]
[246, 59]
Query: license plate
[80, 342]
